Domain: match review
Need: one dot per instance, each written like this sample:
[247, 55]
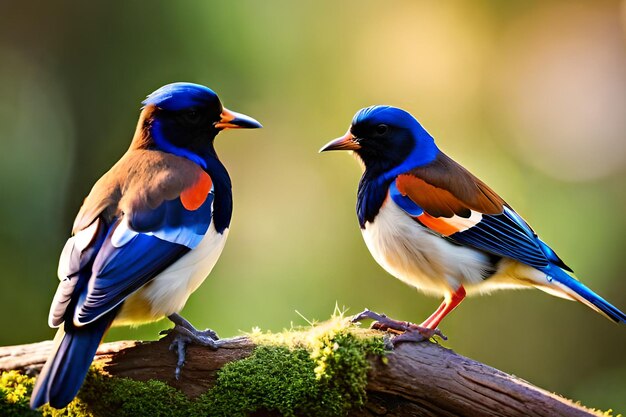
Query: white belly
[168, 292]
[415, 255]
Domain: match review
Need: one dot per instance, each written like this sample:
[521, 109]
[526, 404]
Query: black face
[382, 146]
[190, 128]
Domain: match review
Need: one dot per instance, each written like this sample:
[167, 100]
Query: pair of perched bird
[153, 227]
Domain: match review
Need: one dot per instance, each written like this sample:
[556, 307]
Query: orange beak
[347, 142]
[231, 120]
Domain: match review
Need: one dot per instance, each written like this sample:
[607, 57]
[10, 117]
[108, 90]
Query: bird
[147, 235]
[432, 224]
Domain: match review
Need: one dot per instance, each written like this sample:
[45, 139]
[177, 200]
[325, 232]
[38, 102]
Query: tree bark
[422, 379]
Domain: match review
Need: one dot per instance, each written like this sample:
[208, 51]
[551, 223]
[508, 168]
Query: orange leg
[449, 303]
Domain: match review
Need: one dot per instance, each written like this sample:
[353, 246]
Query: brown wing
[444, 188]
[140, 179]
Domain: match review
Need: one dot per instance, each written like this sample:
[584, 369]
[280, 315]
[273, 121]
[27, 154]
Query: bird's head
[184, 118]
[387, 139]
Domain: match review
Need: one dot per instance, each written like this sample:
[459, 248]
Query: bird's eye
[192, 116]
[381, 129]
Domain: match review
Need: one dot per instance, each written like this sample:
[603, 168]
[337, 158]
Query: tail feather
[580, 292]
[64, 372]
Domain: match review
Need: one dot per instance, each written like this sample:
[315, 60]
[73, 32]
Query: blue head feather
[402, 145]
[179, 96]
[407, 146]
[381, 114]
[392, 116]
[179, 139]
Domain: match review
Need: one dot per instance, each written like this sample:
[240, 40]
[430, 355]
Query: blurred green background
[529, 95]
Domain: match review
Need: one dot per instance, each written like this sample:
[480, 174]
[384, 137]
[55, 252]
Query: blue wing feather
[152, 241]
[172, 222]
[502, 235]
[118, 272]
[64, 371]
[507, 234]
[404, 202]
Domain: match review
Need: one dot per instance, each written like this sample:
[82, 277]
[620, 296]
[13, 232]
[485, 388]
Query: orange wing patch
[193, 197]
[437, 224]
[449, 226]
[443, 212]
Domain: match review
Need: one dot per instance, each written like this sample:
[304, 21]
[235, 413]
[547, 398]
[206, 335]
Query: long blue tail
[580, 292]
[64, 372]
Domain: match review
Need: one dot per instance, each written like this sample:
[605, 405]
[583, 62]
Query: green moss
[319, 371]
[101, 394]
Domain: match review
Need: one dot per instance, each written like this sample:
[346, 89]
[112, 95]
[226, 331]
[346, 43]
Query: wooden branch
[422, 379]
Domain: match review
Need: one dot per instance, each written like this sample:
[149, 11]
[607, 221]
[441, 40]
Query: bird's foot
[417, 334]
[381, 322]
[186, 334]
[404, 330]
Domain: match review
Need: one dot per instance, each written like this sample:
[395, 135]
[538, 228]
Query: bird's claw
[417, 334]
[211, 334]
[179, 347]
[207, 333]
[186, 334]
[367, 314]
[382, 322]
[405, 331]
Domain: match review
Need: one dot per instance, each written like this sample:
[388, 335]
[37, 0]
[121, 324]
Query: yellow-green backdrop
[529, 95]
